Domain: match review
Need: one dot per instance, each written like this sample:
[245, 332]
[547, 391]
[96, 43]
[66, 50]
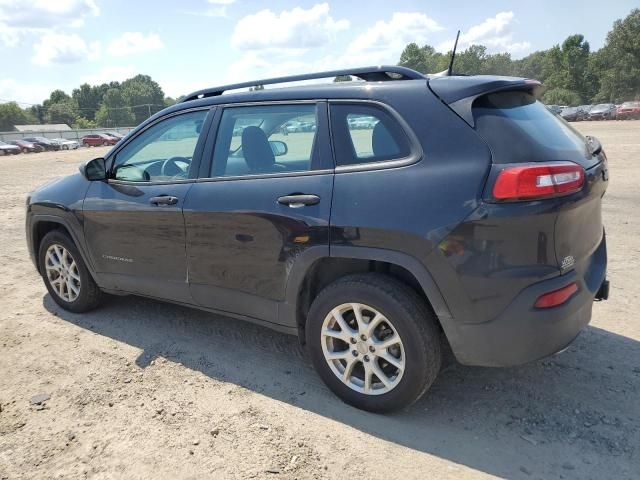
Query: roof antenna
[453, 56]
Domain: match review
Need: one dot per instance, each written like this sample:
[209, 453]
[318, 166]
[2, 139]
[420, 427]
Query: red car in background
[628, 110]
[27, 147]
[98, 139]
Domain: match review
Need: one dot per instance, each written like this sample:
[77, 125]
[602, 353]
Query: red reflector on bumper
[556, 297]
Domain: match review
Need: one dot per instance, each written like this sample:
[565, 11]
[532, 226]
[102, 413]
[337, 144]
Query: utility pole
[149, 107]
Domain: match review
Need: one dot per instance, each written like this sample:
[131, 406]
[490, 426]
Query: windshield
[601, 107]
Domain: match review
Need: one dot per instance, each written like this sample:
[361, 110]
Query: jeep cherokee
[464, 211]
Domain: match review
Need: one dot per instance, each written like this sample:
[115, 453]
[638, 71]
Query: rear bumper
[522, 333]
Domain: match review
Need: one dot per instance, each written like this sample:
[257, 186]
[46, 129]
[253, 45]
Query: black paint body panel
[229, 246]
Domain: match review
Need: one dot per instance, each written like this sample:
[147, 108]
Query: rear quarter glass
[520, 129]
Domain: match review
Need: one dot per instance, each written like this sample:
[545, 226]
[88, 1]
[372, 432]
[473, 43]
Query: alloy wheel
[363, 348]
[62, 272]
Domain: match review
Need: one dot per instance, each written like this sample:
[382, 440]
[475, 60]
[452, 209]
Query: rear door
[263, 199]
[133, 222]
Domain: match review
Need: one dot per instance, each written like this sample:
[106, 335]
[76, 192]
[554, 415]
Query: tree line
[113, 104]
[571, 72]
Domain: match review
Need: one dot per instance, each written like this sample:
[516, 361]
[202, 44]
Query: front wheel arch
[43, 224]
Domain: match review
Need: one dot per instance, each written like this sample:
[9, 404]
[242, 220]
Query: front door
[265, 198]
[133, 222]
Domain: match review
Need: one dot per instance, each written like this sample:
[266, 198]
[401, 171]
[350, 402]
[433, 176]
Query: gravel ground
[142, 389]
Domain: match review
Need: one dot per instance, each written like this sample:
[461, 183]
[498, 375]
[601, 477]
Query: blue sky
[191, 44]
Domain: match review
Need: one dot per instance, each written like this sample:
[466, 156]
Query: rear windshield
[519, 129]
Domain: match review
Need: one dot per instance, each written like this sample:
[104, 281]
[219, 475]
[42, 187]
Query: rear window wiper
[594, 145]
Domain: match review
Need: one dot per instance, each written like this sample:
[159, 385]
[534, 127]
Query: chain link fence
[73, 134]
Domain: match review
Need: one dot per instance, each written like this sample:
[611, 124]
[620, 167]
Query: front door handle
[163, 200]
[298, 201]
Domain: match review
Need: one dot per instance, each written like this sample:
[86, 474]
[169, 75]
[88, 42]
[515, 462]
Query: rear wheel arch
[320, 272]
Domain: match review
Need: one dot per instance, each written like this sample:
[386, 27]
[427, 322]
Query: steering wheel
[170, 167]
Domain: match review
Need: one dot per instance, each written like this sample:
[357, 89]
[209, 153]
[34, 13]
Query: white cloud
[384, 41]
[130, 43]
[24, 92]
[295, 29]
[20, 17]
[494, 33]
[62, 48]
[109, 74]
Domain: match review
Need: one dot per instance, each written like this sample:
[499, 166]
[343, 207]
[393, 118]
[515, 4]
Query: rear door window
[266, 139]
[365, 134]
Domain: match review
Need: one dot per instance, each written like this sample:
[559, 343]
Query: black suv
[414, 209]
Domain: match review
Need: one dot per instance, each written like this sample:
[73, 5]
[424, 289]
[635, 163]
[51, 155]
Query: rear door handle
[298, 201]
[163, 200]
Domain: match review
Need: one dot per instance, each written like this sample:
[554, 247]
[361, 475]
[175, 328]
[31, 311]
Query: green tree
[64, 111]
[88, 99]
[114, 111]
[82, 122]
[619, 61]
[343, 78]
[38, 113]
[571, 72]
[561, 96]
[11, 114]
[424, 59]
[143, 95]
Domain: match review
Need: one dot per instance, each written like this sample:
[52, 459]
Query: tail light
[556, 297]
[538, 181]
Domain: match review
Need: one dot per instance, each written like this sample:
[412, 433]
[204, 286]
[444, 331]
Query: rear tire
[65, 274]
[405, 333]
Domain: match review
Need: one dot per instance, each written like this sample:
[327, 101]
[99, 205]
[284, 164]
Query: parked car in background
[98, 139]
[66, 144]
[583, 111]
[570, 114]
[628, 110]
[8, 149]
[554, 109]
[28, 147]
[603, 111]
[116, 136]
[361, 122]
[44, 142]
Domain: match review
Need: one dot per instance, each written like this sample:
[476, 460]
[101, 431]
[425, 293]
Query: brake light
[556, 297]
[538, 181]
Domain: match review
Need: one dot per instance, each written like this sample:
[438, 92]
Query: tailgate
[520, 130]
[579, 229]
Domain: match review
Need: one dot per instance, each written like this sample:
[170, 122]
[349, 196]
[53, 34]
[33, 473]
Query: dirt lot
[142, 389]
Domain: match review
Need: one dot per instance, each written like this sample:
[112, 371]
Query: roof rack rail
[369, 74]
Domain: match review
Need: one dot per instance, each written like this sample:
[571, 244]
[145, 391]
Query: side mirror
[94, 169]
[278, 147]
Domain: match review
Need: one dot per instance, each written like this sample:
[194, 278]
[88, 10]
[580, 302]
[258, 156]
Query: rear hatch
[520, 130]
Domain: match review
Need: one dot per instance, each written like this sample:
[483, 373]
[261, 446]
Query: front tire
[65, 274]
[374, 342]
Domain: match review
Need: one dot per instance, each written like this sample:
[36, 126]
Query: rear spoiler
[460, 92]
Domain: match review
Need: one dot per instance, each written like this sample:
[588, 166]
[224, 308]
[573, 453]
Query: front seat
[257, 151]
